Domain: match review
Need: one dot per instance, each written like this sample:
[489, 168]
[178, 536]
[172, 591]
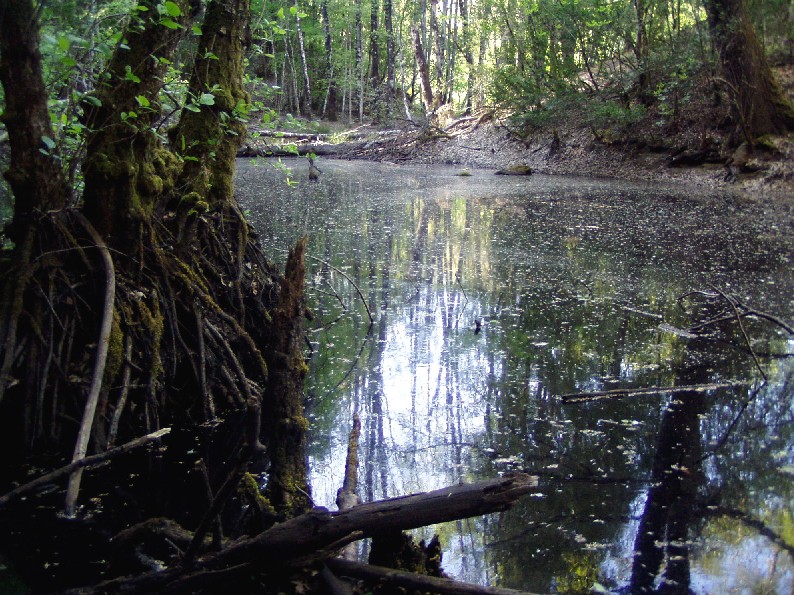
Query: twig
[721, 442]
[732, 302]
[92, 399]
[353, 283]
[619, 393]
[85, 463]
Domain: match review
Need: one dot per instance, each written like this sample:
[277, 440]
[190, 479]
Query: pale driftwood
[85, 463]
[87, 423]
[619, 393]
[316, 534]
[412, 581]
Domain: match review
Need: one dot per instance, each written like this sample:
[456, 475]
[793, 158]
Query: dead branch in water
[85, 463]
[620, 393]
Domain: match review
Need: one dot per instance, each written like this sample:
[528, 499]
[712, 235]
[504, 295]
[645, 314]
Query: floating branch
[86, 463]
[621, 393]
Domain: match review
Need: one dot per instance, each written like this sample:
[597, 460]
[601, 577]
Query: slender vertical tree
[374, 50]
[330, 107]
[306, 99]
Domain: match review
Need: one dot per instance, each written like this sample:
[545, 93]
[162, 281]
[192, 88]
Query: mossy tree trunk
[758, 104]
[36, 180]
[127, 171]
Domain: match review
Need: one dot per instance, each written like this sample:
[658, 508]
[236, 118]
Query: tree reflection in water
[570, 279]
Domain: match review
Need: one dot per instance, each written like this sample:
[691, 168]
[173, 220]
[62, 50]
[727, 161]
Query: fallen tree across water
[318, 534]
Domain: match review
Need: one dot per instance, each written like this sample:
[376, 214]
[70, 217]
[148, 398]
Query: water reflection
[570, 280]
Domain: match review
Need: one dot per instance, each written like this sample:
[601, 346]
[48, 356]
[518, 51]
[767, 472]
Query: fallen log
[318, 534]
[411, 581]
[300, 150]
[309, 533]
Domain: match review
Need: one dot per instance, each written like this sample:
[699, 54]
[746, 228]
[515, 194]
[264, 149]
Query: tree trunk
[758, 105]
[330, 108]
[126, 169]
[210, 134]
[467, 54]
[34, 175]
[642, 50]
[307, 95]
[390, 53]
[360, 60]
[438, 44]
[374, 51]
[424, 71]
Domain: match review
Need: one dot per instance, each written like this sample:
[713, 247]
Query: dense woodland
[143, 332]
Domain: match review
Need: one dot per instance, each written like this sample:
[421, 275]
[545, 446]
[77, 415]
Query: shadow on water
[492, 297]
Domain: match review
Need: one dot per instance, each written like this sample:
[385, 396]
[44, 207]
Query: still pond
[491, 297]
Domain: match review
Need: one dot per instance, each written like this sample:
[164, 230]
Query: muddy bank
[489, 143]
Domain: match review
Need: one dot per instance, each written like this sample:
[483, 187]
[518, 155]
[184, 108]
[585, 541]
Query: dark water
[576, 286]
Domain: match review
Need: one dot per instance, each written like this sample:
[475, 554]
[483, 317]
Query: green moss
[300, 423]
[154, 322]
[115, 350]
[149, 181]
[249, 490]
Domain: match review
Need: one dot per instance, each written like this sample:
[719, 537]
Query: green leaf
[192, 107]
[171, 24]
[68, 61]
[142, 101]
[141, 8]
[130, 76]
[196, 30]
[281, 12]
[172, 9]
[48, 142]
[63, 43]
[207, 99]
[293, 10]
[93, 100]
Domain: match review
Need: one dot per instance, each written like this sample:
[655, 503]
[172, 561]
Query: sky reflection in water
[571, 280]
